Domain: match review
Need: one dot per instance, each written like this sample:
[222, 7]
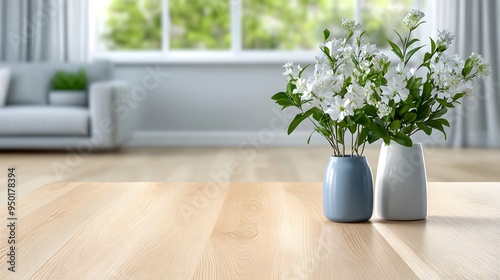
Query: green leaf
[427, 90]
[362, 136]
[289, 88]
[427, 56]
[317, 114]
[279, 95]
[413, 93]
[326, 51]
[405, 109]
[354, 60]
[407, 129]
[296, 100]
[370, 110]
[443, 122]
[309, 139]
[411, 53]
[395, 125]
[302, 71]
[326, 133]
[297, 120]
[380, 131]
[402, 139]
[400, 38]
[285, 103]
[433, 45]
[396, 50]
[436, 125]
[372, 137]
[423, 111]
[425, 128]
[340, 135]
[442, 102]
[441, 49]
[459, 95]
[467, 67]
[439, 113]
[326, 33]
[69, 81]
[412, 42]
[352, 128]
[362, 119]
[416, 26]
[410, 117]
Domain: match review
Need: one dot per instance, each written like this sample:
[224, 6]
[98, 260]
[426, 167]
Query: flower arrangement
[356, 92]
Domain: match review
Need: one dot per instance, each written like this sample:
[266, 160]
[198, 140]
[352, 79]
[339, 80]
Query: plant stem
[363, 149]
[352, 144]
[343, 145]
[316, 126]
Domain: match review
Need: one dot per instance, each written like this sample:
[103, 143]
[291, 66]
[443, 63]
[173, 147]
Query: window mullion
[165, 26]
[236, 23]
[357, 10]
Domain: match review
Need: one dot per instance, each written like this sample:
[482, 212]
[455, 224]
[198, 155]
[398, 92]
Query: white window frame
[235, 54]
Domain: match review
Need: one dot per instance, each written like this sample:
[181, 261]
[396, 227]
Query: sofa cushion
[44, 120]
[4, 84]
[30, 82]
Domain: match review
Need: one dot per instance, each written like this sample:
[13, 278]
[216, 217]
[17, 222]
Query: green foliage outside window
[200, 24]
[134, 25]
[291, 24]
[266, 24]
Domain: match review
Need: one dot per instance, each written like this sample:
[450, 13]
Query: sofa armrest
[111, 121]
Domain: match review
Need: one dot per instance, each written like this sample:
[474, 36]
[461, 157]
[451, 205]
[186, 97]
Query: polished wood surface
[246, 231]
[199, 164]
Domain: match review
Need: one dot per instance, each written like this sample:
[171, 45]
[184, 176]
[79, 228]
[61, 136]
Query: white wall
[211, 104]
[218, 104]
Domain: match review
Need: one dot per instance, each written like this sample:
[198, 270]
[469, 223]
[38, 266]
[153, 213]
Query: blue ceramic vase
[348, 189]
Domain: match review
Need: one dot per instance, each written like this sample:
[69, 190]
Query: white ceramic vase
[401, 183]
[68, 98]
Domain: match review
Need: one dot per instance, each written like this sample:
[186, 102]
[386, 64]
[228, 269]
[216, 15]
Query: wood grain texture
[247, 231]
[198, 164]
[460, 239]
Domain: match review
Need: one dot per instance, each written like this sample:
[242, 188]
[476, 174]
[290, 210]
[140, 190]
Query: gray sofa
[27, 121]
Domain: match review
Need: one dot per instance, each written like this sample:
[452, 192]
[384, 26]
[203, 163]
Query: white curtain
[43, 30]
[476, 24]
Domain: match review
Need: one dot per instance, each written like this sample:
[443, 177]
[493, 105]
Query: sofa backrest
[31, 82]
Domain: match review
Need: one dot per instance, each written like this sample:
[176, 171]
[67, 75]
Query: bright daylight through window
[236, 26]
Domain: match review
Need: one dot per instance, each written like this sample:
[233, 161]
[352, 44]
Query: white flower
[383, 110]
[483, 68]
[288, 68]
[379, 62]
[395, 71]
[395, 89]
[466, 88]
[335, 46]
[445, 38]
[356, 94]
[290, 72]
[476, 58]
[411, 73]
[340, 108]
[301, 84]
[412, 19]
[350, 25]
[442, 94]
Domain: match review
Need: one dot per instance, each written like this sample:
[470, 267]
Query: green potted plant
[69, 89]
[355, 95]
[418, 93]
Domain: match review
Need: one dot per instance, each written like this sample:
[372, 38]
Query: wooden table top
[246, 231]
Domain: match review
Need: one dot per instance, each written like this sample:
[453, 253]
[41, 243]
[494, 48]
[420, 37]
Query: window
[291, 24]
[234, 28]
